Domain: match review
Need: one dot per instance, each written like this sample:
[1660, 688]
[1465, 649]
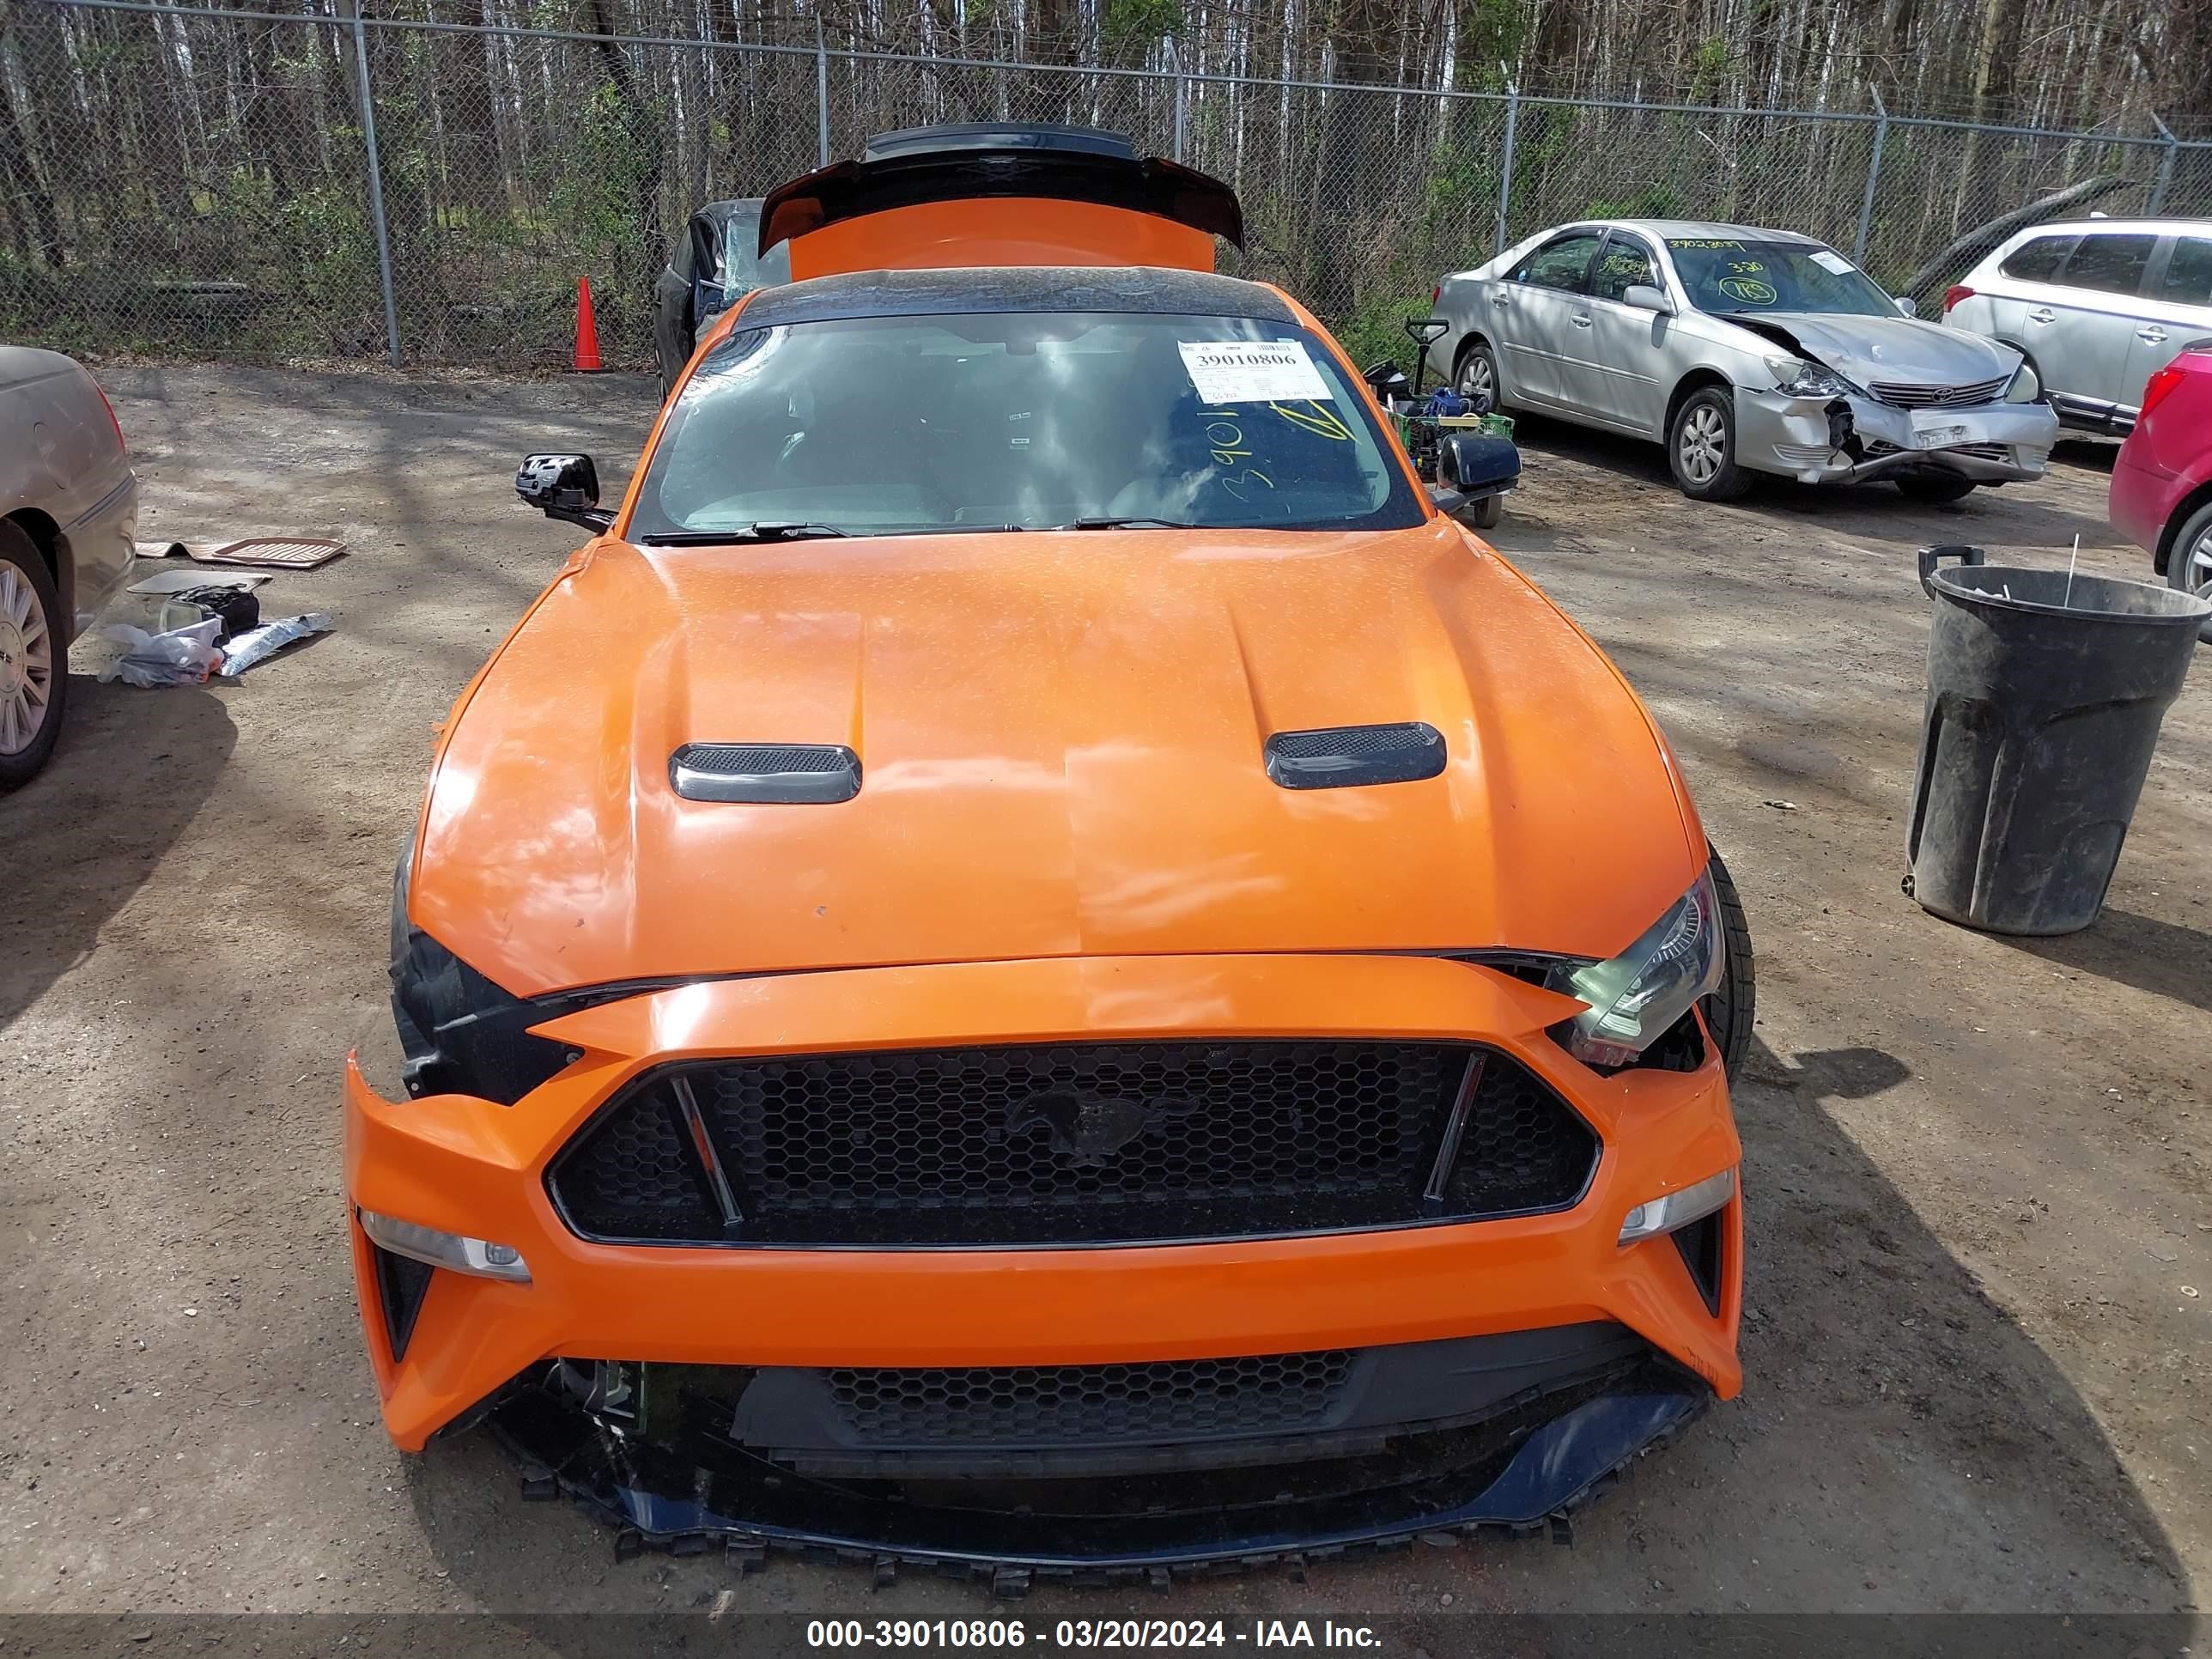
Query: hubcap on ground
[27, 663]
[1702, 444]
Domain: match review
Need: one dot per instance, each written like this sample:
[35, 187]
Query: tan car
[68, 511]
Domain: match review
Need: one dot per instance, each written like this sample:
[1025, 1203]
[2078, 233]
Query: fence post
[1505, 176]
[1181, 91]
[2165, 166]
[1874, 172]
[821, 94]
[376, 183]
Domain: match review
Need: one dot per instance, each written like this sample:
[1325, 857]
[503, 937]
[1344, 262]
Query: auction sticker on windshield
[1834, 262]
[1252, 371]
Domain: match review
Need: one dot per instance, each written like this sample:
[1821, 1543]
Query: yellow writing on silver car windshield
[1701, 241]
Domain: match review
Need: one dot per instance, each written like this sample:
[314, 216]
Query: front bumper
[475, 1168]
[1850, 440]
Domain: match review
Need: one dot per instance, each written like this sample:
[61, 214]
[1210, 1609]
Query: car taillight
[1954, 295]
[111, 420]
[1436, 296]
[2159, 385]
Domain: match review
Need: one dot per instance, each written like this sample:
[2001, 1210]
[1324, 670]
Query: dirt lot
[1977, 1347]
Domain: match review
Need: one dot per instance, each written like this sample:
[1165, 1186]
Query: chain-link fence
[256, 184]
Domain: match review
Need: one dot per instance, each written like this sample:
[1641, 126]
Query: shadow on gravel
[2153, 955]
[132, 768]
[1897, 1431]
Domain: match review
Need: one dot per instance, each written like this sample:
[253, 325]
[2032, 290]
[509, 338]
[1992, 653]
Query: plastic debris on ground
[183, 581]
[236, 607]
[258, 644]
[182, 656]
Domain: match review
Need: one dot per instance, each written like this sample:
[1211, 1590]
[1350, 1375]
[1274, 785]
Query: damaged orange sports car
[1032, 962]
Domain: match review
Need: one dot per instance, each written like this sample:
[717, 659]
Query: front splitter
[1522, 1473]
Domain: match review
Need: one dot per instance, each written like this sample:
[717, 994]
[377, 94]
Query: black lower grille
[1054, 1405]
[402, 1282]
[1072, 1143]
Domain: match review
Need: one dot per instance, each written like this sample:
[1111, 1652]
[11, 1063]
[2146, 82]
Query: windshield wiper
[767, 530]
[1127, 524]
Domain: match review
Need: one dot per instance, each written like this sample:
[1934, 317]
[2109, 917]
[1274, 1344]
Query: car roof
[1708, 230]
[971, 288]
[2161, 227]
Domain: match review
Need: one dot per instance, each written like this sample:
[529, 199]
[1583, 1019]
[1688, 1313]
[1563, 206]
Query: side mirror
[1427, 331]
[1385, 380]
[1644, 297]
[1908, 305]
[564, 487]
[1471, 467]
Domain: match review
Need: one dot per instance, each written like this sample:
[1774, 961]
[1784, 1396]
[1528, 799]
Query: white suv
[2098, 305]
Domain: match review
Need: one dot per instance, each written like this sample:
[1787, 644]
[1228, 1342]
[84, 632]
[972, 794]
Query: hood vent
[1350, 756]
[765, 774]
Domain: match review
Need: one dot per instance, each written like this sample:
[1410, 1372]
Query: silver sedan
[69, 509]
[1743, 350]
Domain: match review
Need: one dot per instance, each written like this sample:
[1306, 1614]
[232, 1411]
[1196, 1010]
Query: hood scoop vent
[765, 774]
[1350, 757]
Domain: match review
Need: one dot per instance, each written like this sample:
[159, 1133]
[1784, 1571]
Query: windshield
[1733, 278]
[1021, 420]
[744, 267]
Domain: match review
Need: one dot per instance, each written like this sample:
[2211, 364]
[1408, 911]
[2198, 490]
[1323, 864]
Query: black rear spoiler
[953, 163]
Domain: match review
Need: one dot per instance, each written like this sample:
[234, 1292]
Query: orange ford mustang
[1032, 960]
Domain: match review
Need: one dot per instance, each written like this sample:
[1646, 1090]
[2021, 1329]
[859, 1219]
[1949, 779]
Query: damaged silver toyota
[1743, 351]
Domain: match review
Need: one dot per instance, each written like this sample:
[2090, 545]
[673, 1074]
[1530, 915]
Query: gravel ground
[1976, 1347]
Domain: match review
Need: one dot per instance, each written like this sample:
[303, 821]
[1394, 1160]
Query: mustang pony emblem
[1088, 1128]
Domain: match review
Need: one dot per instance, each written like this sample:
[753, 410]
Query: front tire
[1933, 491]
[34, 660]
[1733, 1006]
[1475, 378]
[2189, 566]
[1701, 448]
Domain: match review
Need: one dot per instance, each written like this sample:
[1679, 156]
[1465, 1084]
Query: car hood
[1060, 742]
[1891, 348]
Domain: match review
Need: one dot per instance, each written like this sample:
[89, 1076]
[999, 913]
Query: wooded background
[195, 181]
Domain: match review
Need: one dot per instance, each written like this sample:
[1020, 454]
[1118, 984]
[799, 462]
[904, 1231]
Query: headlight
[459, 1032]
[1637, 996]
[2025, 386]
[1796, 378]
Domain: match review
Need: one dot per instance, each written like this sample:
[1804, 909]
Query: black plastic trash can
[2042, 709]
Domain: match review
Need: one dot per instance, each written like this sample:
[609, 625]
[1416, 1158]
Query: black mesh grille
[754, 759]
[1074, 1143]
[1051, 1405]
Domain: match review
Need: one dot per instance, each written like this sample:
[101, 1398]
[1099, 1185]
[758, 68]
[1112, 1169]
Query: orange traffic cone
[587, 330]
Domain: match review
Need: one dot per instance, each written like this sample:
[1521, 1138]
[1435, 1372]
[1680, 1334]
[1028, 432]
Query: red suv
[2162, 481]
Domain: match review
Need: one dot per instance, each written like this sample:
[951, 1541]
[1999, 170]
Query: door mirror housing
[1472, 466]
[564, 487]
[1644, 297]
[1908, 305]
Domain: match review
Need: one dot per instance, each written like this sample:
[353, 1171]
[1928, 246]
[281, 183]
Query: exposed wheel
[1487, 513]
[1701, 448]
[34, 660]
[2189, 566]
[1734, 1002]
[1476, 377]
[1933, 487]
